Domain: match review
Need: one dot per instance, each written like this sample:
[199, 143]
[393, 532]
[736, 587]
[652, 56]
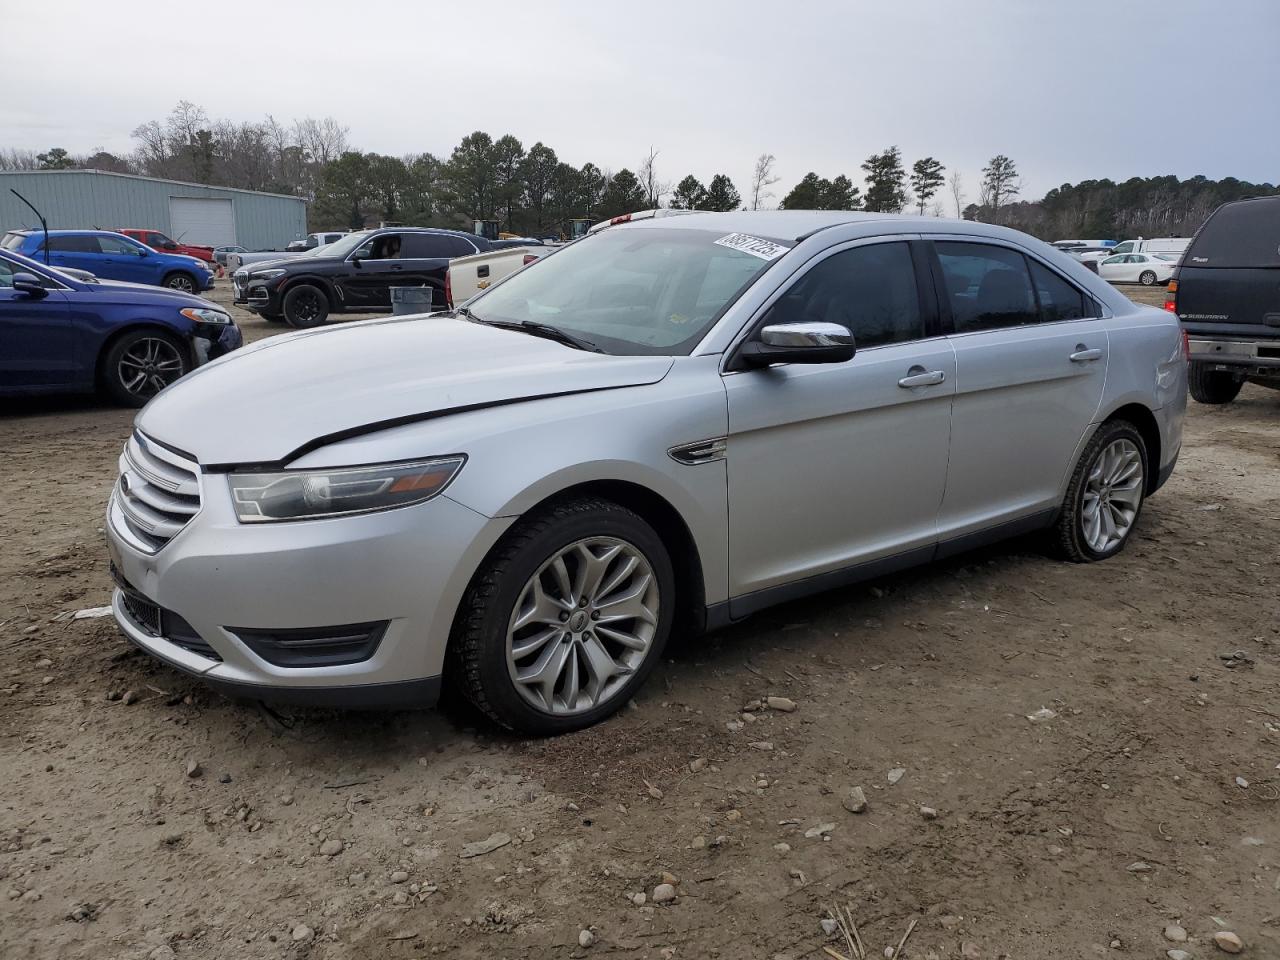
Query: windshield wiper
[533, 328]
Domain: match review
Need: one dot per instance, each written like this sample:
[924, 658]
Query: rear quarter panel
[1147, 366]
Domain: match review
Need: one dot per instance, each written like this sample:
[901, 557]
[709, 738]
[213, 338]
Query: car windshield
[339, 248]
[633, 290]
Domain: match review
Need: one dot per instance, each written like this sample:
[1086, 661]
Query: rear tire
[305, 306]
[1212, 386]
[1147, 278]
[183, 282]
[1105, 496]
[140, 364]
[595, 650]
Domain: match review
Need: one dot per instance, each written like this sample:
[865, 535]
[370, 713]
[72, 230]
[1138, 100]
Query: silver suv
[667, 425]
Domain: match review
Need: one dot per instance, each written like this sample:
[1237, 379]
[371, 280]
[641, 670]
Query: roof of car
[798, 224]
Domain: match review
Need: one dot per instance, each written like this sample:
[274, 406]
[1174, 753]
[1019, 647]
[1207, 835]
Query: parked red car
[158, 241]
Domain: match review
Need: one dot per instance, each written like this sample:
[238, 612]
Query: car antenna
[43, 223]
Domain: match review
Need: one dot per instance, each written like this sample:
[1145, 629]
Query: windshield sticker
[764, 249]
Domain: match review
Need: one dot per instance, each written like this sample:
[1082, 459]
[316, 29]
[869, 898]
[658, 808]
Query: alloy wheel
[307, 307]
[1112, 495]
[148, 366]
[583, 624]
[182, 283]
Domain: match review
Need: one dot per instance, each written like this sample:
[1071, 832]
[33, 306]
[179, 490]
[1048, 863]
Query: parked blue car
[112, 256]
[62, 332]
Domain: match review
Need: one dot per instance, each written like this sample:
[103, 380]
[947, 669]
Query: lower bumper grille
[154, 620]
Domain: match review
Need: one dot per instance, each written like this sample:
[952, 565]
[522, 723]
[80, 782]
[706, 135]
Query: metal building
[190, 212]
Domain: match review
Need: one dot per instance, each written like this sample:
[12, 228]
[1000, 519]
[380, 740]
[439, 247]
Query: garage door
[202, 220]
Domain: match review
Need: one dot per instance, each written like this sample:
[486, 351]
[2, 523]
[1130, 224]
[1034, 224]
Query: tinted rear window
[12, 241]
[1245, 234]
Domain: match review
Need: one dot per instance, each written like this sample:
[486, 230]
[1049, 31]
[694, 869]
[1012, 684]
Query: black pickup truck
[1226, 292]
[356, 273]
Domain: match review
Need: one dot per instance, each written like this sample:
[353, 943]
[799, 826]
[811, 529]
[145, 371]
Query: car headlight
[313, 494]
[266, 275]
[205, 315]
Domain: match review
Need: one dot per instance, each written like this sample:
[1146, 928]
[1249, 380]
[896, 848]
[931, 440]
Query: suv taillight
[1171, 298]
[1186, 346]
[448, 290]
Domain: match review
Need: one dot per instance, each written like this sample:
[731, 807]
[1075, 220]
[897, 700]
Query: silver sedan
[666, 426]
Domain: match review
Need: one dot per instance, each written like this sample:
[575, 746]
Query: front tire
[183, 282]
[141, 364]
[566, 619]
[1105, 495]
[305, 306]
[1212, 386]
[1147, 278]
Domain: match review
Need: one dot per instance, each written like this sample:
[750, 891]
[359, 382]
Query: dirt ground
[1151, 796]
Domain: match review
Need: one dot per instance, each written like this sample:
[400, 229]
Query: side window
[74, 244]
[988, 287]
[312, 242]
[6, 274]
[1059, 300]
[114, 245]
[432, 246]
[870, 290]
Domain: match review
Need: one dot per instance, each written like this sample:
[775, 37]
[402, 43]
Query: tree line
[532, 191]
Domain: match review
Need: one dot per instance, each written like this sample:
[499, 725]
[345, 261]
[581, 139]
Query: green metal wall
[88, 198]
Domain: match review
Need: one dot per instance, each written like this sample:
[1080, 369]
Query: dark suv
[355, 273]
[1226, 292]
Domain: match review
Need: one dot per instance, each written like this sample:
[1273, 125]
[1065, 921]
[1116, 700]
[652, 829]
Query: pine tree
[1000, 183]
[926, 180]
[886, 192]
[689, 194]
[722, 195]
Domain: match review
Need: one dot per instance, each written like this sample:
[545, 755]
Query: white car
[1143, 268]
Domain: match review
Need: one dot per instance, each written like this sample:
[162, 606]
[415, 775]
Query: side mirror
[807, 342]
[170, 245]
[29, 285]
[142, 251]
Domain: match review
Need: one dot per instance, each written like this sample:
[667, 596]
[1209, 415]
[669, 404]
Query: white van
[1168, 246]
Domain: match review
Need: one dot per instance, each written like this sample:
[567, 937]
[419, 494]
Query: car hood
[271, 402]
[152, 294]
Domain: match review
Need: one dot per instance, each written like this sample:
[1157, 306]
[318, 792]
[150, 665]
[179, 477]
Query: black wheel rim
[148, 366]
[182, 283]
[306, 307]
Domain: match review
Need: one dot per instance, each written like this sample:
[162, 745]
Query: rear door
[427, 257]
[1031, 358]
[80, 251]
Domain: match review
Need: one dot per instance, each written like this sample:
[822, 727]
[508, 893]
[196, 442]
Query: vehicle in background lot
[1089, 254]
[1226, 292]
[670, 424]
[159, 242]
[356, 273]
[467, 276]
[60, 333]
[220, 253]
[313, 240]
[113, 256]
[1143, 268]
[1173, 246]
[1077, 244]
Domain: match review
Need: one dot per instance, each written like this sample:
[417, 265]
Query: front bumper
[260, 296]
[408, 568]
[210, 342]
[1245, 357]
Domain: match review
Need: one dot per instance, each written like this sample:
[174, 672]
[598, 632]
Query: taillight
[448, 289]
[1171, 297]
[622, 219]
[528, 259]
[1186, 346]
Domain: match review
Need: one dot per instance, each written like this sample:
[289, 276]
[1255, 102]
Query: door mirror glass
[806, 342]
[29, 284]
[170, 245]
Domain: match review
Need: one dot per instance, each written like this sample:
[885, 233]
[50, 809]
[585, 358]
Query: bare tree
[956, 183]
[322, 140]
[654, 189]
[762, 179]
[15, 159]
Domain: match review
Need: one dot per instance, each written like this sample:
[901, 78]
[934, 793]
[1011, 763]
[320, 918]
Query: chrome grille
[157, 494]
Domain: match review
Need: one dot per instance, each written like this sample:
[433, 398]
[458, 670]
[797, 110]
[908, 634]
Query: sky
[1070, 90]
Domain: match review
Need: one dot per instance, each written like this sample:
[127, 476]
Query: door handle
[396, 266]
[918, 376]
[1084, 354]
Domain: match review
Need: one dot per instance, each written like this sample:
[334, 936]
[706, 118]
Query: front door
[122, 259]
[374, 269]
[1032, 359]
[38, 345]
[834, 466]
